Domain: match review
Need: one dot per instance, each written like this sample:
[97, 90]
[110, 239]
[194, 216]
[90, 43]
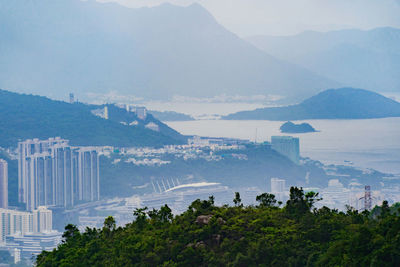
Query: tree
[300, 203]
[165, 214]
[232, 236]
[266, 200]
[109, 223]
[71, 231]
[140, 214]
[311, 199]
[237, 200]
[385, 209]
[161, 216]
[211, 200]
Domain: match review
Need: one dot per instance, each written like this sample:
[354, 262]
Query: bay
[368, 143]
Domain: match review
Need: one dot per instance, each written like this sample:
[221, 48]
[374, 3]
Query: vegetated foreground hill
[263, 235]
[51, 48]
[364, 59]
[28, 116]
[343, 103]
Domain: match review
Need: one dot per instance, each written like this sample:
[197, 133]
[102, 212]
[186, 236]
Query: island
[342, 103]
[290, 127]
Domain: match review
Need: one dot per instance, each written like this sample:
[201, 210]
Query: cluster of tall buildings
[53, 173]
[141, 112]
[288, 146]
[13, 222]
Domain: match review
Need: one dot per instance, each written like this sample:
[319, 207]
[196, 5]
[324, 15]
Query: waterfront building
[101, 112]
[14, 222]
[28, 151]
[278, 185]
[278, 188]
[287, 146]
[3, 184]
[86, 173]
[32, 244]
[52, 173]
[106, 112]
[198, 141]
[42, 220]
[141, 112]
[335, 195]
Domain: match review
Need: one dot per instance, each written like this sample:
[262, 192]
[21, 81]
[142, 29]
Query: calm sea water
[370, 143]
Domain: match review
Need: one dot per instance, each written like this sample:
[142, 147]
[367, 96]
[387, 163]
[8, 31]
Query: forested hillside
[28, 116]
[264, 235]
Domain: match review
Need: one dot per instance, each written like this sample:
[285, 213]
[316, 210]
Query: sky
[288, 17]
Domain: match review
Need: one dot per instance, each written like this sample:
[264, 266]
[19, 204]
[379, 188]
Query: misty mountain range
[53, 47]
[362, 59]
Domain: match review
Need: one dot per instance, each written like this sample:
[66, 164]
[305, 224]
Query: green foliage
[300, 203]
[237, 200]
[266, 200]
[264, 235]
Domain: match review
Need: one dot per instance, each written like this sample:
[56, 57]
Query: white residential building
[278, 188]
[278, 185]
[52, 173]
[13, 222]
[3, 184]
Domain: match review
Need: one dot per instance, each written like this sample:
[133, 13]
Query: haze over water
[369, 143]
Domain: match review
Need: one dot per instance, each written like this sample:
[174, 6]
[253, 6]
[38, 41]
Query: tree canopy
[296, 234]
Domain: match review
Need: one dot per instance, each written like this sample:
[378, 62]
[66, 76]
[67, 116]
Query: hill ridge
[24, 116]
[342, 103]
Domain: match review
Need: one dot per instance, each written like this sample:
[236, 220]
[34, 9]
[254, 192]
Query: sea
[365, 143]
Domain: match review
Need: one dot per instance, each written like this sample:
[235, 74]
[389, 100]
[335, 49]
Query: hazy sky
[285, 17]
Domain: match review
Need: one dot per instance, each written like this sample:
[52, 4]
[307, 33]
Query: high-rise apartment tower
[52, 173]
[3, 184]
[287, 146]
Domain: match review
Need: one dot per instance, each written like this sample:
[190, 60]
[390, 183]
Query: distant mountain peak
[55, 46]
[367, 59]
[342, 103]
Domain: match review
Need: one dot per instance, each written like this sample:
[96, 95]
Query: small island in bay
[290, 127]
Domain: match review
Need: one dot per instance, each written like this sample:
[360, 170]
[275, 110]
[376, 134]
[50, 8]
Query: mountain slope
[363, 59]
[28, 116]
[52, 47]
[343, 103]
